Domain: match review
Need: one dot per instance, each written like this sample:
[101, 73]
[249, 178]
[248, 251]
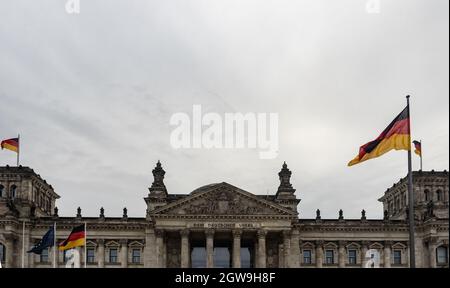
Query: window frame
[440, 248]
[350, 257]
[116, 256]
[394, 252]
[329, 257]
[45, 257]
[90, 259]
[307, 251]
[134, 257]
[2, 252]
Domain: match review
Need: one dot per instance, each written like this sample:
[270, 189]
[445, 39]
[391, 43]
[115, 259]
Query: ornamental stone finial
[78, 212]
[318, 217]
[102, 212]
[363, 214]
[341, 214]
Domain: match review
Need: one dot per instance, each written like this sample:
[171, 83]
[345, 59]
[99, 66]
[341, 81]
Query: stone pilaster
[286, 248]
[237, 248]
[124, 253]
[150, 260]
[262, 248]
[101, 253]
[364, 248]
[184, 248]
[432, 245]
[159, 234]
[387, 254]
[342, 254]
[319, 254]
[295, 249]
[209, 248]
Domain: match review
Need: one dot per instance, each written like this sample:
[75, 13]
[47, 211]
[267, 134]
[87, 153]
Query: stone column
[209, 248]
[9, 255]
[432, 252]
[255, 252]
[237, 248]
[342, 254]
[295, 249]
[262, 248]
[286, 248]
[101, 253]
[319, 254]
[364, 247]
[159, 248]
[387, 254]
[124, 253]
[150, 249]
[184, 248]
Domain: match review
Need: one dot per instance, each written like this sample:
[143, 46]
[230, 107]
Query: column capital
[100, 241]
[342, 243]
[209, 232]
[123, 241]
[365, 244]
[286, 233]
[388, 244]
[319, 243]
[261, 233]
[184, 232]
[159, 232]
[237, 233]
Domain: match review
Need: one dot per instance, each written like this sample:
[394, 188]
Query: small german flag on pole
[418, 150]
[395, 136]
[13, 145]
[76, 238]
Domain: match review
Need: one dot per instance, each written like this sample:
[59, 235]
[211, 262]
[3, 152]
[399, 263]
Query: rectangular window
[329, 256]
[398, 257]
[136, 256]
[307, 256]
[352, 256]
[2, 252]
[112, 255]
[441, 255]
[90, 252]
[44, 256]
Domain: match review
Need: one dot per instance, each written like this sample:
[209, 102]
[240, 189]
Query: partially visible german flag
[10, 144]
[395, 136]
[418, 146]
[76, 238]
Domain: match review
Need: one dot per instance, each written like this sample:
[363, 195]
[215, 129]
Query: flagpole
[18, 150]
[421, 151]
[85, 245]
[412, 256]
[23, 244]
[54, 245]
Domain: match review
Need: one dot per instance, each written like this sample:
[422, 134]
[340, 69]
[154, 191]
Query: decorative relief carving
[222, 202]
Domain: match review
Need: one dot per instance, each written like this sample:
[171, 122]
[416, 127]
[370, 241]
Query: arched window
[2, 253]
[439, 195]
[427, 195]
[1, 190]
[13, 191]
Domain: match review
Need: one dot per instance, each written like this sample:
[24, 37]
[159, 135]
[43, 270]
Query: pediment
[223, 199]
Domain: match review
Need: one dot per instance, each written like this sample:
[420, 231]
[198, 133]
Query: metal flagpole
[421, 151]
[85, 243]
[18, 149]
[412, 256]
[54, 244]
[23, 245]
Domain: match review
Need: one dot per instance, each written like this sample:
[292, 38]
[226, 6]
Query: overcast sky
[92, 94]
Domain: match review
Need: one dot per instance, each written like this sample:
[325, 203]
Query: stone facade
[220, 225]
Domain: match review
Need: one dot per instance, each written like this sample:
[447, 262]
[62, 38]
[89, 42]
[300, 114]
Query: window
[113, 255]
[307, 257]
[352, 256]
[136, 256]
[65, 256]
[397, 257]
[44, 256]
[1, 190]
[441, 256]
[427, 195]
[90, 255]
[2, 252]
[439, 195]
[329, 256]
[13, 191]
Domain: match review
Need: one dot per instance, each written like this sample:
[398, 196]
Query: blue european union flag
[46, 241]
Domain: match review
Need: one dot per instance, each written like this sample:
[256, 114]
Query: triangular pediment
[223, 199]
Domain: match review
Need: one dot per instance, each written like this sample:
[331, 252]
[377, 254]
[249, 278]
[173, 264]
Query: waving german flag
[10, 144]
[395, 136]
[76, 238]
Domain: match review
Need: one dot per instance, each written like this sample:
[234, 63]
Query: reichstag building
[220, 225]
